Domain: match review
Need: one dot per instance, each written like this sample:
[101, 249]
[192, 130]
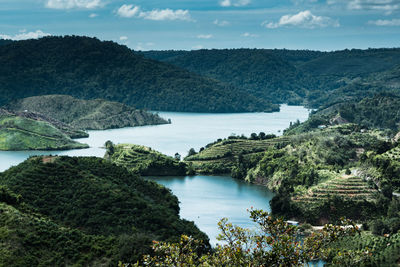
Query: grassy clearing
[18, 133]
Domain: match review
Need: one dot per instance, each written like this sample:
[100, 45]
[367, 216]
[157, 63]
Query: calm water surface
[204, 199]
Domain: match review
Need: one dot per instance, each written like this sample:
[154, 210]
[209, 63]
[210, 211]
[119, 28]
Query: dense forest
[295, 76]
[66, 211]
[95, 114]
[378, 111]
[88, 68]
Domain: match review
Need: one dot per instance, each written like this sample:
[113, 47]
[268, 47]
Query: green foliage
[144, 160]
[20, 133]
[382, 251]
[295, 76]
[28, 239]
[86, 114]
[275, 243]
[99, 198]
[377, 111]
[87, 68]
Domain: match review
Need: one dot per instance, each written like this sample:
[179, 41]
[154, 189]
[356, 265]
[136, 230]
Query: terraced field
[347, 186]
[221, 156]
[233, 147]
[145, 161]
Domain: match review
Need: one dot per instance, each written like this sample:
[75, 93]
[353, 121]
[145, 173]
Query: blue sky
[182, 24]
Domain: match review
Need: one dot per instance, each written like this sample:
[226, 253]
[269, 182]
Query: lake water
[204, 199]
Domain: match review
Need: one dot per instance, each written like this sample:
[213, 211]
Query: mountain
[305, 77]
[88, 68]
[95, 114]
[30, 131]
[258, 72]
[95, 203]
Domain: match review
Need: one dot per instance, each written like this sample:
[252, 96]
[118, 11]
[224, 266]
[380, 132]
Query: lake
[204, 199]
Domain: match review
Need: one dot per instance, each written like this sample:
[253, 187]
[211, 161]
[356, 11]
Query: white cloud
[144, 46]
[236, 3]
[303, 19]
[93, 15]
[205, 36]
[221, 23]
[23, 35]
[166, 14]
[385, 22]
[70, 4]
[247, 34]
[385, 5]
[128, 11]
[123, 38]
[197, 47]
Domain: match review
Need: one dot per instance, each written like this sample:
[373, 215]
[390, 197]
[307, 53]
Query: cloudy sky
[194, 24]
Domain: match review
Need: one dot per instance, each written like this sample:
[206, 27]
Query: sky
[324, 25]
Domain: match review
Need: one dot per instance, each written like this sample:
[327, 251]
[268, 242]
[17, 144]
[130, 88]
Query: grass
[18, 133]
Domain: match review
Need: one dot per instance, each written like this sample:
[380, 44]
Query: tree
[191, 152]
[109, 147]
[253, 136]
[276, 243]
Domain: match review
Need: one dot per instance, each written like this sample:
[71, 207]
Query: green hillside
[256, 71]
[101, 208]
[88, 68]
[86, 114]
[295, 76]
[144, 160]
[21, 133]
[29, 239]
[379, 111]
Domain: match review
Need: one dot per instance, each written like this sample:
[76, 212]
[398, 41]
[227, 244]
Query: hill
[91, 198]
[86, 114]
[144, 160]
[257, 71]
[294, 76]
[87, 68]
[30, 132]
[378, 111]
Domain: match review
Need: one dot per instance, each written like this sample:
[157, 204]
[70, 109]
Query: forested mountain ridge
[95, 114]
[294, 76]
[87, 68]
[258, 72]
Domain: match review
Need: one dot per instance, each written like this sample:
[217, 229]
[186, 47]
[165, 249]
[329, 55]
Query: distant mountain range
[87, 68]
[226, 80]
[295, 76]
